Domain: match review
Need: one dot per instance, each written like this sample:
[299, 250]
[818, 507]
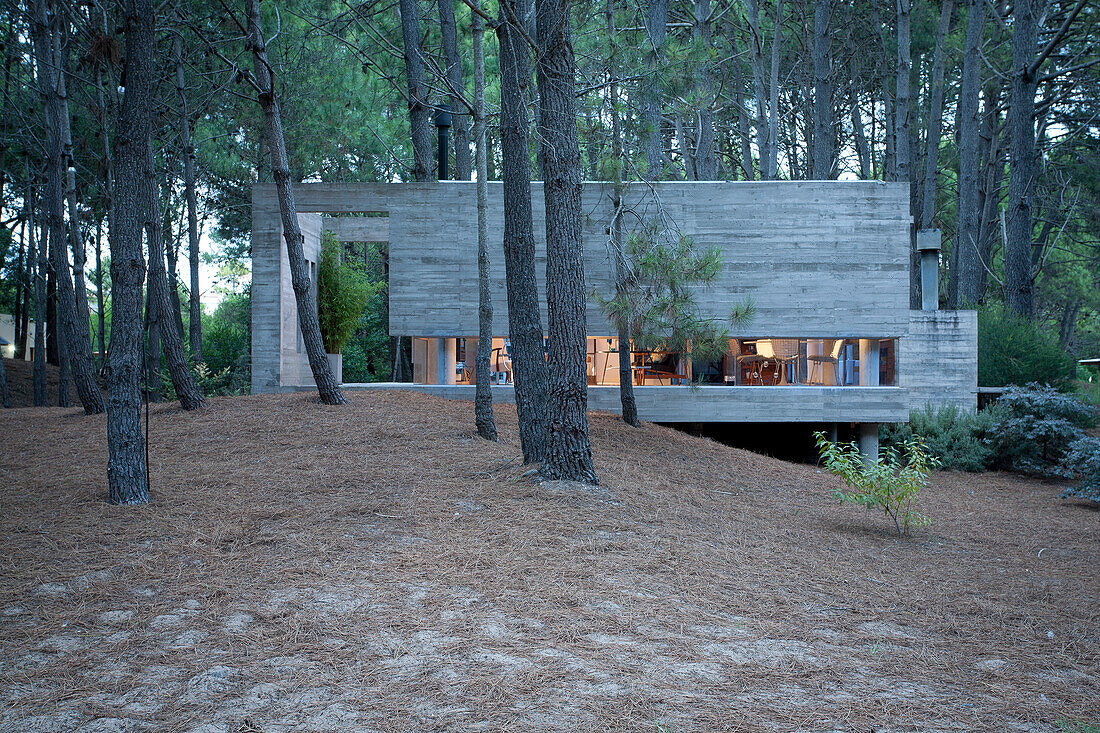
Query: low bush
[890, 484]
[1012, 350]
[957, 439]
[1035, 428]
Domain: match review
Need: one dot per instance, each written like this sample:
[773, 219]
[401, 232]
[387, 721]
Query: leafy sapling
[890, 483]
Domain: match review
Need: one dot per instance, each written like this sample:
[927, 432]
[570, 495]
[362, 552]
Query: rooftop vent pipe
[443, 123]
[928, 245]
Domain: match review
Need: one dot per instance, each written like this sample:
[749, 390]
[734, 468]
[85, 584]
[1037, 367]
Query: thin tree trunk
[179, 371]
[127, 478]
[5, 398]
[773, 93]
[706, 162]
[743, 133]
[483, 392]
[568, 451]
[524, 319]
[153, 325]
[626, 381]
[935, 117]
[74, 327]
[41, 398]
[966, 274]
[26, 270]
[419, 108]
[327, 388]
[191, 197]
[760, 94]
[461, 119]
[902, 132]
[685, 148]
[656, 24]
[100, 302]
[863, 149]
[824, 138]
[1019, 280]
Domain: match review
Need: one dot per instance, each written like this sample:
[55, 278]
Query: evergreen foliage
[957, 439]
[342, 295]
[1012, 350]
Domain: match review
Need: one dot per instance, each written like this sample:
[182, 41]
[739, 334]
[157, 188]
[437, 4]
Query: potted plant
[342, 293]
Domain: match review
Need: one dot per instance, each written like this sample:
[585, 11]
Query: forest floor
[378, 567]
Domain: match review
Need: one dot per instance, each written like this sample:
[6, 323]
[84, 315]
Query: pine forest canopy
[989, 110]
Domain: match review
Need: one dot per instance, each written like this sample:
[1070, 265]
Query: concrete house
[826, 264]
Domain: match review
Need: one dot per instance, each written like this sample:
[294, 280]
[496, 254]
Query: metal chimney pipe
[443, 124]
[928, 245]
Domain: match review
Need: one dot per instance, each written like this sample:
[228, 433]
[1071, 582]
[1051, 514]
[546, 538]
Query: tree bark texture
[483, 391]
[1018, 277]
[935, 117]
[824, 136]
[127, 480]
[327, 388]
[656, 25]
[706, 161]
[461, 117]
[568, 451]
[420, 124]
[524, 319]
[966, 274]
[171, 336]
[902, 132]
[73, 325]
[191, 197]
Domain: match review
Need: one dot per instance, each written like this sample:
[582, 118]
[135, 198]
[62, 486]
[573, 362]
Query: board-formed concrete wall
[938, 360]
[817, 258]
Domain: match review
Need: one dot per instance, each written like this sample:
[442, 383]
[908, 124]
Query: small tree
[887, 484]
[342, 295]
[657, 300]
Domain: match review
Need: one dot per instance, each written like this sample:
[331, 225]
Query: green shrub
[1037, 424]
[367, 353]
[342, 292]
[957, 439]
[890, 484]
[1084, 456]
[1012, 350]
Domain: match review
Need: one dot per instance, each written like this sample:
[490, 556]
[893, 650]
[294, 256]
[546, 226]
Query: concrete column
[445, 353]
[868, 377]
[928, 244]
[868, 441]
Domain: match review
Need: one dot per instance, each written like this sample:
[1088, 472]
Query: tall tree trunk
[902, 132]
[41, 398]
[824, 138]
[863, 149]
[419, 108]
[101, 314]
[5, 397]
[743, 133]
[1019, 280]
[935, 117]
[524, 319]
[327, 387]
[191, 198]
[992, 179]
[706, 162]
[483, 392]
[764, 142]
[26, 271]
[656, 25]
[127, 478]
[626, 381]
[568, 451]
[966, 274]
[773, 94]
[74, 327]
[159, 295]
[153, 326]
[461, 120]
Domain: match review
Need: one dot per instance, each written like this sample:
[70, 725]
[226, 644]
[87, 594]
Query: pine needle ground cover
[376, 567]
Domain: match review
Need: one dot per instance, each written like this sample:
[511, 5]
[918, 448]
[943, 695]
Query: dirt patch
[378, 567]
